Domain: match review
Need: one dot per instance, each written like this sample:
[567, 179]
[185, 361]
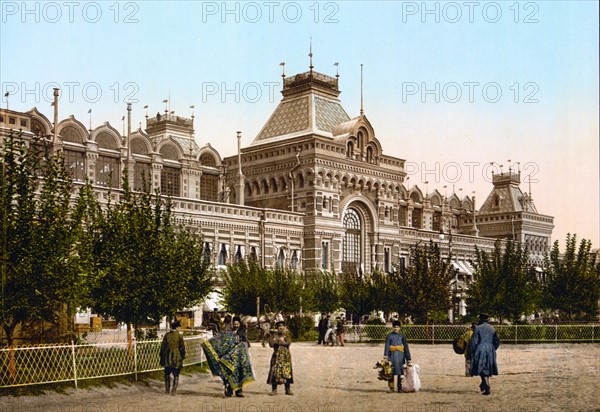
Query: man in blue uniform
[482, 350]
[396, 350]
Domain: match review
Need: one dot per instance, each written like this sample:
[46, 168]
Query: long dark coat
[172, 350]
[397, 357]
[482, 349]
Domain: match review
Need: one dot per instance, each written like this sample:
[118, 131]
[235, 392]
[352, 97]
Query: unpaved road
[562, 377]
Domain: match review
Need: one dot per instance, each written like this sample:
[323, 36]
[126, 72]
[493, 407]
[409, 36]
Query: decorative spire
[282, 64]
[311, 55]
[337, 71]
[362, 111]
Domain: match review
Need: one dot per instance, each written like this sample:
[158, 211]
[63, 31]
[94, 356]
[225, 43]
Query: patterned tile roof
[329, 114]
[289, 117]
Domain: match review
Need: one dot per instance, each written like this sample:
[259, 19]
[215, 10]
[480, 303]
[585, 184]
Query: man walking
[172, 354]
[322, 328]
[484, 344]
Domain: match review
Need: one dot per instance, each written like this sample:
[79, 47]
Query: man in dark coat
[322, 328]
[397, 351]
[172, 354]
[482, 350]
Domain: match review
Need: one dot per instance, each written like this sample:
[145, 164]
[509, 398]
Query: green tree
[286, 290]
[425, 283]
[145, 267]
[356, 294]
[386, 292]
[503, 285]
[39, 276]
[322, 292]
[243, 282]
[281, 289]
[572, 281]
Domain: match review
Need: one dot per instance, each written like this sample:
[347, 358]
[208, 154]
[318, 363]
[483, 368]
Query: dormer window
[496, 201]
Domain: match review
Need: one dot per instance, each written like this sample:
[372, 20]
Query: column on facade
[91, 154]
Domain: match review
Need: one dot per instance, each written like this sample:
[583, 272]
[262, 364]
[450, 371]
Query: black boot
[487, 386]
[288, 390]
[175, 383]
[391, 385]
[167, 383]
[482, 384]
[399, 383]
[273, 389]
[228, 390]
[239, 393]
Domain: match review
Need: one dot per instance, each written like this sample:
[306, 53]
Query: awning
[463, 267]
[212, 302]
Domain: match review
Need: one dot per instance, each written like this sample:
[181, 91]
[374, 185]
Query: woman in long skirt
[280, 371]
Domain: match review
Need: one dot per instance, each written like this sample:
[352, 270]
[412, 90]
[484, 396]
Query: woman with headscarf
[227, 357]
[482, 349]
[280, 371]
[397, 351]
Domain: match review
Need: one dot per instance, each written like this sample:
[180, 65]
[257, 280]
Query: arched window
[324, 255]
[386, 260]
[222, 255]
[496, 200]
[294, 260]
[253, 254]
[170, 184]
[369, 154]
[209, 186]
[352, 248]
[281, 259]
[206, 252]
[238, 253]
[350, 150]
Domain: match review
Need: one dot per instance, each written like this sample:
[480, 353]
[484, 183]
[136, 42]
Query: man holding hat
[396, 350]
[172, 354]
[482, 349]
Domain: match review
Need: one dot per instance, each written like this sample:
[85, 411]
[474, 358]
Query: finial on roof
[282, 64]
[311, 55]
[337, 72]
[362, 111]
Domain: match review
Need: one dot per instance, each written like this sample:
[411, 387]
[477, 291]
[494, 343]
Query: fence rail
[22, 366]
[506, 333]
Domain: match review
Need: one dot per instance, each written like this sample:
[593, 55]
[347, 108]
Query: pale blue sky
[187, 49]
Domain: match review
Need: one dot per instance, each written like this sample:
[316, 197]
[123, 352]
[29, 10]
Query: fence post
[433, 334]
[74, 363]
[516, 333]
[135, 365]
[555, 333]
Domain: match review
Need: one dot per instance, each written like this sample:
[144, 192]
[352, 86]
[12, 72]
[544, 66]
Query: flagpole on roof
[362, 111]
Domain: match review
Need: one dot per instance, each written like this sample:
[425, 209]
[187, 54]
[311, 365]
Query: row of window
[224, 255]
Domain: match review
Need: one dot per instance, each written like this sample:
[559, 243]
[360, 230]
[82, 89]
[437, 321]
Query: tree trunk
[129, 340]
[12, 365]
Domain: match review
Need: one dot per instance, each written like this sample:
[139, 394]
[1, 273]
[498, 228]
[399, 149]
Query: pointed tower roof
[310, 105]
[506, 196]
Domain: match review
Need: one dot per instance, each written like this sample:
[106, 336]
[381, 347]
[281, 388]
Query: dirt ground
[562, 377]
